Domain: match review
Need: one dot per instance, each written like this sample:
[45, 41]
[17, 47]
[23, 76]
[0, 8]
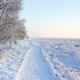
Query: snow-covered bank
[34, 66]
[11, 58]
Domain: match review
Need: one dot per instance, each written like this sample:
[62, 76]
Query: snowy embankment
[34, 67]
[11, 58]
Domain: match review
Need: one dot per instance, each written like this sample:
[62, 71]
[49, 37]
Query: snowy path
[34, 66]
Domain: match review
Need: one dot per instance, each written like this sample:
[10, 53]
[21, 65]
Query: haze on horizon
[52, 18]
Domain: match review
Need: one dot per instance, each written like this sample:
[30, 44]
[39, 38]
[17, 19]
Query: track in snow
[34, 66]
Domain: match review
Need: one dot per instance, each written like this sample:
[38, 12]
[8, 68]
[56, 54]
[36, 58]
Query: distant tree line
[11, 26]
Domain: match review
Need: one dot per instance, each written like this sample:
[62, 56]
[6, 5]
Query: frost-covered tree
[11, 26]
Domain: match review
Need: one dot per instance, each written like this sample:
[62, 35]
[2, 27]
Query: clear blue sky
[52, 18]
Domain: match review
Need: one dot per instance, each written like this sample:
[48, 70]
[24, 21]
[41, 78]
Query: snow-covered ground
[11, 58]
[63, 57]
[34, 66]
[40, 59]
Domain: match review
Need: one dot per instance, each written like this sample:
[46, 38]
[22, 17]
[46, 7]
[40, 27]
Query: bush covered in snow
[11, 26]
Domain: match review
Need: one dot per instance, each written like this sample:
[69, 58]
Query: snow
[63, 57]
[40, 59]
[34, 66]
[11, 58]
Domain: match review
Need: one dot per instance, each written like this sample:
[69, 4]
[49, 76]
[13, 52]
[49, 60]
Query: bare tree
[11, 26]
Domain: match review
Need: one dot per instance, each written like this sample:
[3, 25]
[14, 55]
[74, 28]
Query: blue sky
[52, 18]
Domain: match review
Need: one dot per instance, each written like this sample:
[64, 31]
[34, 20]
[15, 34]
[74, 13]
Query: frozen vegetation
[11, 58]
[40, 59]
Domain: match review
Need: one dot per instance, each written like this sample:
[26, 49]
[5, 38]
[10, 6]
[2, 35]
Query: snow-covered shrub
[11, 26]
